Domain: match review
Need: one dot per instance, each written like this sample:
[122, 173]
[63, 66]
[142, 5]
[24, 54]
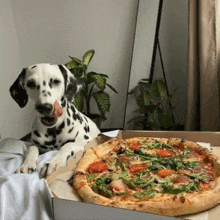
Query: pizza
[163, 176]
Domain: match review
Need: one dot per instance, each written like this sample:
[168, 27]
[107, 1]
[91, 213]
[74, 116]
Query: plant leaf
[73, 63]
[78, 71]
[102, 100]
[143, 99]
[158, 89]
[99, 80]
[137, 119]
[165, 120]
[76, 59]
[88, 57]
[79, 101]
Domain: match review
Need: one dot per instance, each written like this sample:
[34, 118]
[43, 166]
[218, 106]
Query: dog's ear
[73, 84]
[18, 91]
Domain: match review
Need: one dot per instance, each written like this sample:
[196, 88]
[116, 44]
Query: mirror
[142, 51]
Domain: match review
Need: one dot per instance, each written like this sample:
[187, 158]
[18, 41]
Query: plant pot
[96, 118]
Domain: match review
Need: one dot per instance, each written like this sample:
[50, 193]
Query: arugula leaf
[101, 188]
[139, 183]
[122, 166]
[150, 145]
[198, 177]
[91, 177]
[168, 188]
[183, 154]
[140, 154]
[157, 162]
[116, 176]
[146, 194]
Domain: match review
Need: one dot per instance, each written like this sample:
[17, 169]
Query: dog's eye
[56, 81]
[31, 84]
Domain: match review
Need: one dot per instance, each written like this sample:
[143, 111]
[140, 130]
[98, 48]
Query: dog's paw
[52, 165]
[29, 166]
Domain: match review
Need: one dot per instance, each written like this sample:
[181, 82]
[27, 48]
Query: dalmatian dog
[58, 125]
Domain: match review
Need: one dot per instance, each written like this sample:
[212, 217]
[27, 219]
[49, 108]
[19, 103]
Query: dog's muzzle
[49, 112]
[44, 109]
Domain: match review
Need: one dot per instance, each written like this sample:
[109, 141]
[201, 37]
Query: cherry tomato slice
[97, 167]
[137, 167]
[165, 153]
[134, 146]
[164, 173]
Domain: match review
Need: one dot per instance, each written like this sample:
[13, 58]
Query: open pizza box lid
[66, 203]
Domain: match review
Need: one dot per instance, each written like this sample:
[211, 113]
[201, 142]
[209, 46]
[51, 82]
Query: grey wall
[48, 31]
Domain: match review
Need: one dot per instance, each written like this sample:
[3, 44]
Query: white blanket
[22, 196]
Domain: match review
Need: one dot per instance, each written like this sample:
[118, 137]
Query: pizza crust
[162, 204]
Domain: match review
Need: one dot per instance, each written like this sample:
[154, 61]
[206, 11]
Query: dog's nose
[45, 108]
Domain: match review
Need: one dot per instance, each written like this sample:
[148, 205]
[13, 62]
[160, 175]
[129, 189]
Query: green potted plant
[94, 85]
[154, 106]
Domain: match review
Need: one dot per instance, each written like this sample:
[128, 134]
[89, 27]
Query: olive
[121, 150]
[108, 181]
[156, 181]
[136, 151]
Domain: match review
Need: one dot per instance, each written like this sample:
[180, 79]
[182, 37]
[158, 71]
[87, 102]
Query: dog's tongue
[57, 109]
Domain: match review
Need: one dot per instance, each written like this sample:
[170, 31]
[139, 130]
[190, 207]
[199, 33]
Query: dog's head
[48, 86]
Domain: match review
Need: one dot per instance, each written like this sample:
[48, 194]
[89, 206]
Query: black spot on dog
[33, 67]
[62, 99]
[86, 119]
[49, 93]
[73, 109]
[51, 83]
[64, 73]
[60, 128]
[71, 140]
[43, 146]
[53, 142]
[86, 137]
[36, 133]
[68, 111]
[51, 132]
[46, 135]
[68, 157]
[68, 141]
[63, 103]
[68, 121]
[44, 83]
[38, 87]
[56, 147]
[70, 130]
[77, 117]
[71, 88]
[36, 142]
[86, 129]
[72, 153]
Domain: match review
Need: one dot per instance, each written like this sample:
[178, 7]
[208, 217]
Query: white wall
[49, 31]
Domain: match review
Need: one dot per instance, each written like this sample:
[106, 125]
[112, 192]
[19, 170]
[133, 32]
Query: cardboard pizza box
[66, 204]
